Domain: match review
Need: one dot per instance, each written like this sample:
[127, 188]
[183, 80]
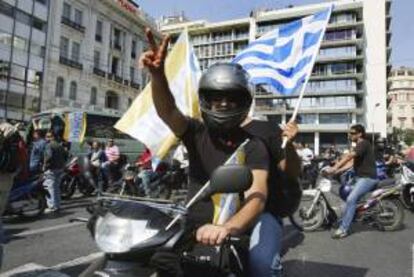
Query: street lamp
[373, 124]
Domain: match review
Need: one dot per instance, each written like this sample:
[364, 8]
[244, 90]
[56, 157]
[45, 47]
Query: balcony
[135, 85]
[99, 72]
[118, 79]
[72, 24]
[70, 63]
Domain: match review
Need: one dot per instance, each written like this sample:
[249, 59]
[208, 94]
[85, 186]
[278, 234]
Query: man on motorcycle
[365, 176]
[225, 99]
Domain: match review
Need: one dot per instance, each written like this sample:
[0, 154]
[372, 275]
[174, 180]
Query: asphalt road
[52, 245]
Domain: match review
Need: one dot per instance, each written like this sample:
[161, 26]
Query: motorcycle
[27, 198]
[381, 208]
[406, 180]
[129, 231]
[74, 177]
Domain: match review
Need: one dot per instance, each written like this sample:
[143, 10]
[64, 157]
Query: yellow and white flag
[141, 120]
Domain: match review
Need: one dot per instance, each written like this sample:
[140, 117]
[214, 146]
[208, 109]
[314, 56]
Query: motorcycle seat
[385, 183]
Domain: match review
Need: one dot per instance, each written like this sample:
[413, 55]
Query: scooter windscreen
[129, 225]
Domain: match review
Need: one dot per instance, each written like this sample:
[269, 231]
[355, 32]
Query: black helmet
[228, 80]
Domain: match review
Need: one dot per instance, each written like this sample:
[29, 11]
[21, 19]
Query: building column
[316, 143]
[138, 71]
[106, 36]
[89, 42]
[127, 56]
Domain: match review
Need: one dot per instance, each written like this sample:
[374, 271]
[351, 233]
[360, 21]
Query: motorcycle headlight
[118, 235]
[325, 184]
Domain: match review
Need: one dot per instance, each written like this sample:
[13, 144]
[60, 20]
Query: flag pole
[305, 82]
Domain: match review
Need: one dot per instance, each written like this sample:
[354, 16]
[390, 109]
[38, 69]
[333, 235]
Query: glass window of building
[64, 47]
[111, 100]
[66, 10]
[78, 17]
[334, 119]
[6, 9]
[60, 82]
[115, 65]
[133, 49]
[401, 108]
[20, 43]
[39, 24]
[75, 51]
[96, 59]
[117, 38]
[132, 73]
[93, 98]
[23, 17]
[98, 31]
[307, 118]
[72, 90]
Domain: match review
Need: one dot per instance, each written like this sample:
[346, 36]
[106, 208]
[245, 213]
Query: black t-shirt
[205, 154]
[283, 193]
[364, 162]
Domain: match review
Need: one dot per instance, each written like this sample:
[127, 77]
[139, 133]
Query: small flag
[75, 126]
[283, 58]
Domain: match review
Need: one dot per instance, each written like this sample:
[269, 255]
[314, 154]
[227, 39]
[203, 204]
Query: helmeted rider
[225, 98]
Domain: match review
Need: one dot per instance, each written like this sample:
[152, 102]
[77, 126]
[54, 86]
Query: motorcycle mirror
[229, 179]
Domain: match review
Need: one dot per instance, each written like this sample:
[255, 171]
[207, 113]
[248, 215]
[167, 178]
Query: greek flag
[283, 58]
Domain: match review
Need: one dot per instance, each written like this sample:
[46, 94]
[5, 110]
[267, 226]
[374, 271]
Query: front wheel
[390, 216]
[309, 220]
[67, 186]
[407, 196]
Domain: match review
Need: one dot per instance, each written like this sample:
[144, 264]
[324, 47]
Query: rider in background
[365, 176]
[37, 152]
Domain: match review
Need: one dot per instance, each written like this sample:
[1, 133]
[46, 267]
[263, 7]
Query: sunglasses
[353, 133]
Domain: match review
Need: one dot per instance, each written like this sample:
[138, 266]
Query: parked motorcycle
[27, 198]
[381, 208]
[74, 178]
[129, 232]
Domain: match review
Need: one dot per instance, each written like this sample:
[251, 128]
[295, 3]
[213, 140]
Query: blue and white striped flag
[283, 58]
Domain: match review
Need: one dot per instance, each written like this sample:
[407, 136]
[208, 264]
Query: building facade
[92, 54]
[349, 80]
[23, 36]
[401, 96]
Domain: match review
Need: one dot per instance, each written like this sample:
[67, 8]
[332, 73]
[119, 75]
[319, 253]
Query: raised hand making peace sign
[154, 58]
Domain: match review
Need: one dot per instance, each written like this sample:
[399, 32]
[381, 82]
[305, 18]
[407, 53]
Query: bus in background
[99, 126]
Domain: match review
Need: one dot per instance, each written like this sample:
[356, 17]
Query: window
[39, 24]
[334, 118]
[6, 9]
[401, 108]
[59, 87]
[75, 51]
[117, 38]
[96, 59]
[115, 62]
[98, 31]
[41, 1]
[111, 100]
[73, 89]
[64, 47]
[132, 73]
[78, 17]
[66, 10]
[23, 17]
[20, 43]
[133, 49]
[93, 95]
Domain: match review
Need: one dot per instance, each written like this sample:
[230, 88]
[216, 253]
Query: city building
[92, 52]
[23, 35]
[401, 96]
[349, 80]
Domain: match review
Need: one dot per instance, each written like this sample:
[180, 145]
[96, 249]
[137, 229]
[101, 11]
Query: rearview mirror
[230, 179]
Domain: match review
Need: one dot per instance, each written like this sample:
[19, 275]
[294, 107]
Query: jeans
[147, 175]
[361, 187]
[265, 247]
[52, 184]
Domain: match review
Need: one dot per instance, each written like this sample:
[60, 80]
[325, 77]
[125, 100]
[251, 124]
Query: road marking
[48, 229]
[78, 261]
[32, 270]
